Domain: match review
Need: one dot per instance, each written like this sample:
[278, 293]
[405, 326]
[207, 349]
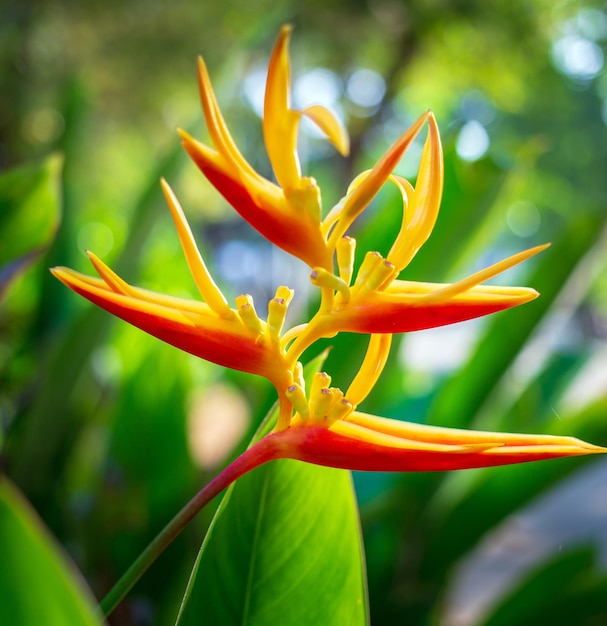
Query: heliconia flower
[322, 425]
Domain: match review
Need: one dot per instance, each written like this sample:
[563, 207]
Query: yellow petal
[330, 125]
[422, 211]
[220, 135]
[356, 201]
[371, 368]
[450, 291]
[279, 121]
[209, 291]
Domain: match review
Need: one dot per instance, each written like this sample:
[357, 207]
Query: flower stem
[260, 453]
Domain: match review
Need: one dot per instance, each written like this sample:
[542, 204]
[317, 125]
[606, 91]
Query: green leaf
[30, 201]
[458, 403]
[37, 584]
[284, 548]
[567, 590]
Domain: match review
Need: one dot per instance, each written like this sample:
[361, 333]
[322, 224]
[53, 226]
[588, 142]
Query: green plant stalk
[257, 455]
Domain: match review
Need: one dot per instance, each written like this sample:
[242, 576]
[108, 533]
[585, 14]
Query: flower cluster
[321, 424]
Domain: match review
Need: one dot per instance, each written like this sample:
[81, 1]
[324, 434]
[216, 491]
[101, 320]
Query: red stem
[257, 455]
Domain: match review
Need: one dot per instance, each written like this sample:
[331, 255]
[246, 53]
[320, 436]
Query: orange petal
[368, 444]
[218, 130]
[263, 206]
[408, 310]
[189, 326]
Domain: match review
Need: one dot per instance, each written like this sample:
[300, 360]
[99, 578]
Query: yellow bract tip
[330, 125]
[450, 291]
[209, 291]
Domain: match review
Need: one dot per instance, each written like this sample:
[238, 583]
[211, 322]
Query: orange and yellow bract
[321, 425]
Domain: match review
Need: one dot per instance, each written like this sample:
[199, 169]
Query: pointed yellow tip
[286, 29]
[66, 275]
[330, 125]
[185, 136]
[474, 280]
[531, 295]
[282, 42]
[170, 197]
[95, 260]
[203, 76]
[589, 448]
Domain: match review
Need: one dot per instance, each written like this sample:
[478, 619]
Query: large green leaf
[37, 585]
[284, 548]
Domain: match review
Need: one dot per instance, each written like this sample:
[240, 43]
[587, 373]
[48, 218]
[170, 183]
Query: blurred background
[108, 432]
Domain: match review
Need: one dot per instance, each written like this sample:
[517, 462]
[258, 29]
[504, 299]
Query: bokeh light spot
[44, 126]
[366, 88]
[472, 141]
[97, 237]
[238, 259]
[254, 86]
[317, 86]
[577, 57]
[523, 218]
[218, 419]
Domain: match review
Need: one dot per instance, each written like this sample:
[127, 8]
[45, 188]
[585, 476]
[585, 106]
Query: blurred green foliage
[36, 580]
[103, 428]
